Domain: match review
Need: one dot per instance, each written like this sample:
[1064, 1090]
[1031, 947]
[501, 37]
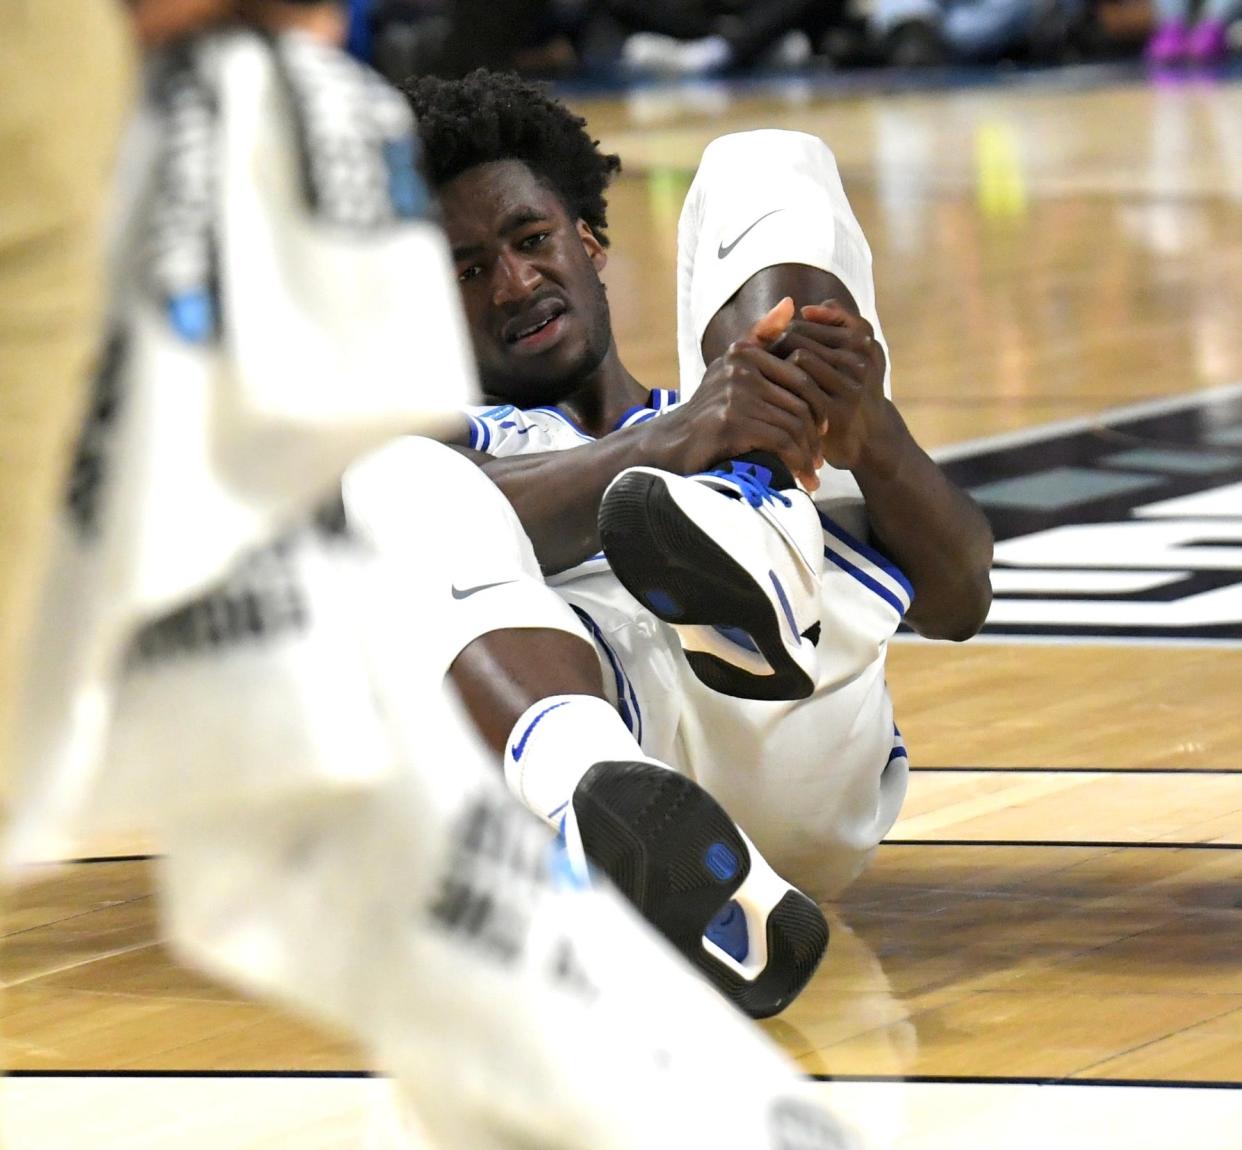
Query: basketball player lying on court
[762, 534]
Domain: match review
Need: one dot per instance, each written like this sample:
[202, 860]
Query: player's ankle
[555, 742]
[779, 476]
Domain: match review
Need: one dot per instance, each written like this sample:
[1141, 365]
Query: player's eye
[531, 242]
[467, 274]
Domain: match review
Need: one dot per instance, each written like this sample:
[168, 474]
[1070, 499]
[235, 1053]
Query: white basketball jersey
[506, 430]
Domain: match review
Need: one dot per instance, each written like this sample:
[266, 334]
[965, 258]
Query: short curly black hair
[489, 116]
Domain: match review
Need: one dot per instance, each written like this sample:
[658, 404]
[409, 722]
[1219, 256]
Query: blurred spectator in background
[691, 38]
[1182, 35]
[914, 33]
[452, 37]
[702, 37]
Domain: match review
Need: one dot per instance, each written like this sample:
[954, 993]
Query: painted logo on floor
[1127, 526]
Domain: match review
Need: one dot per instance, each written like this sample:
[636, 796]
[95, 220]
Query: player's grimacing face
[529, 280]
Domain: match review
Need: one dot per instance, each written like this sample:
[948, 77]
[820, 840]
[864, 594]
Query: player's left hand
[838, 350]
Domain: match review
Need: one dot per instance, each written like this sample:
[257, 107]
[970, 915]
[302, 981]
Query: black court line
[1008, 1080]
[105, 859]
[1104, 843]
[1098, 843]
[926, 1079]
[1080, 770]
[327, 1074]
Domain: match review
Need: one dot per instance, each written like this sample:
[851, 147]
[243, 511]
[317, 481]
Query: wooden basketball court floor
[1049, 948]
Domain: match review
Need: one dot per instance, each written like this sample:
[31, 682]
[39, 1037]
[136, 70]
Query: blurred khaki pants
[66, 68]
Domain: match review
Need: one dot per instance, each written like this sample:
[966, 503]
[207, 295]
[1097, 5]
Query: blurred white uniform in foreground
[223, 662]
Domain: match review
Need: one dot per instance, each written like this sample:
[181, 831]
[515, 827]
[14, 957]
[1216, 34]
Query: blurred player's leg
[514, 1009]
[58, 140]
[326, 850]
[419, 907]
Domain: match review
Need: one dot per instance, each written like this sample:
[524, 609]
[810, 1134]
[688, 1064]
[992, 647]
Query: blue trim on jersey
[634, 417]
[632, 413]
[627, 698]
[867, 581]
[899, 747]
[481, 435]
[880, 560]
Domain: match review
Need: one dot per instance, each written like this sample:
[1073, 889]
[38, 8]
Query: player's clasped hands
[838, 351]
[752, 399]
[807, 388]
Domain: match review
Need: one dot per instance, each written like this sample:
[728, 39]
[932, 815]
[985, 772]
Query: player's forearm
[557, 494]
[934, 531]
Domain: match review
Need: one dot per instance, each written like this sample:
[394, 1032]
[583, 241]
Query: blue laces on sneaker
[754, 483]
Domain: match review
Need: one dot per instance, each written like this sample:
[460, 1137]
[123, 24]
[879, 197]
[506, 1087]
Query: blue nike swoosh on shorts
[520, 745]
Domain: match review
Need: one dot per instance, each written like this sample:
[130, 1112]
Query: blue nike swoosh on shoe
[520, 746]
[789, 615]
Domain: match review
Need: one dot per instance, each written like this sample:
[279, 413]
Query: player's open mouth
[538, 330]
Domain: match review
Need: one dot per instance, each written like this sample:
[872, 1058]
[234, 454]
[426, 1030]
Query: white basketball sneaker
[675, 853]
[732, 563]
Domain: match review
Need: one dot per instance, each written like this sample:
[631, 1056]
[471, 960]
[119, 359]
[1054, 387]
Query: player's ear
[594, 249]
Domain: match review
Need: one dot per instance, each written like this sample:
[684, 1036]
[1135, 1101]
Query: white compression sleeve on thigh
[555, 742]
[760, 199]
[449, 534]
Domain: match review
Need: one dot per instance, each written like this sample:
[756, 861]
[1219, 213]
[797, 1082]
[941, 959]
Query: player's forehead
[487, 201]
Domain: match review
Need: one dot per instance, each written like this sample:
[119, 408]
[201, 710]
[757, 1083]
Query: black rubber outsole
[650, 830]
[653, 547]
[666, 844]
[797, 934]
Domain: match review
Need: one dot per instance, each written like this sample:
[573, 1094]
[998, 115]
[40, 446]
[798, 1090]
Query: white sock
[555, 743]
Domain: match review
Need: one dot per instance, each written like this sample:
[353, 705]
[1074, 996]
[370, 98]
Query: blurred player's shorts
[58, 140]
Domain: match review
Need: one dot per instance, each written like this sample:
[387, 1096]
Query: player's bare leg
[501, 675]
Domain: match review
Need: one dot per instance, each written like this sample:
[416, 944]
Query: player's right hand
[749, 400]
